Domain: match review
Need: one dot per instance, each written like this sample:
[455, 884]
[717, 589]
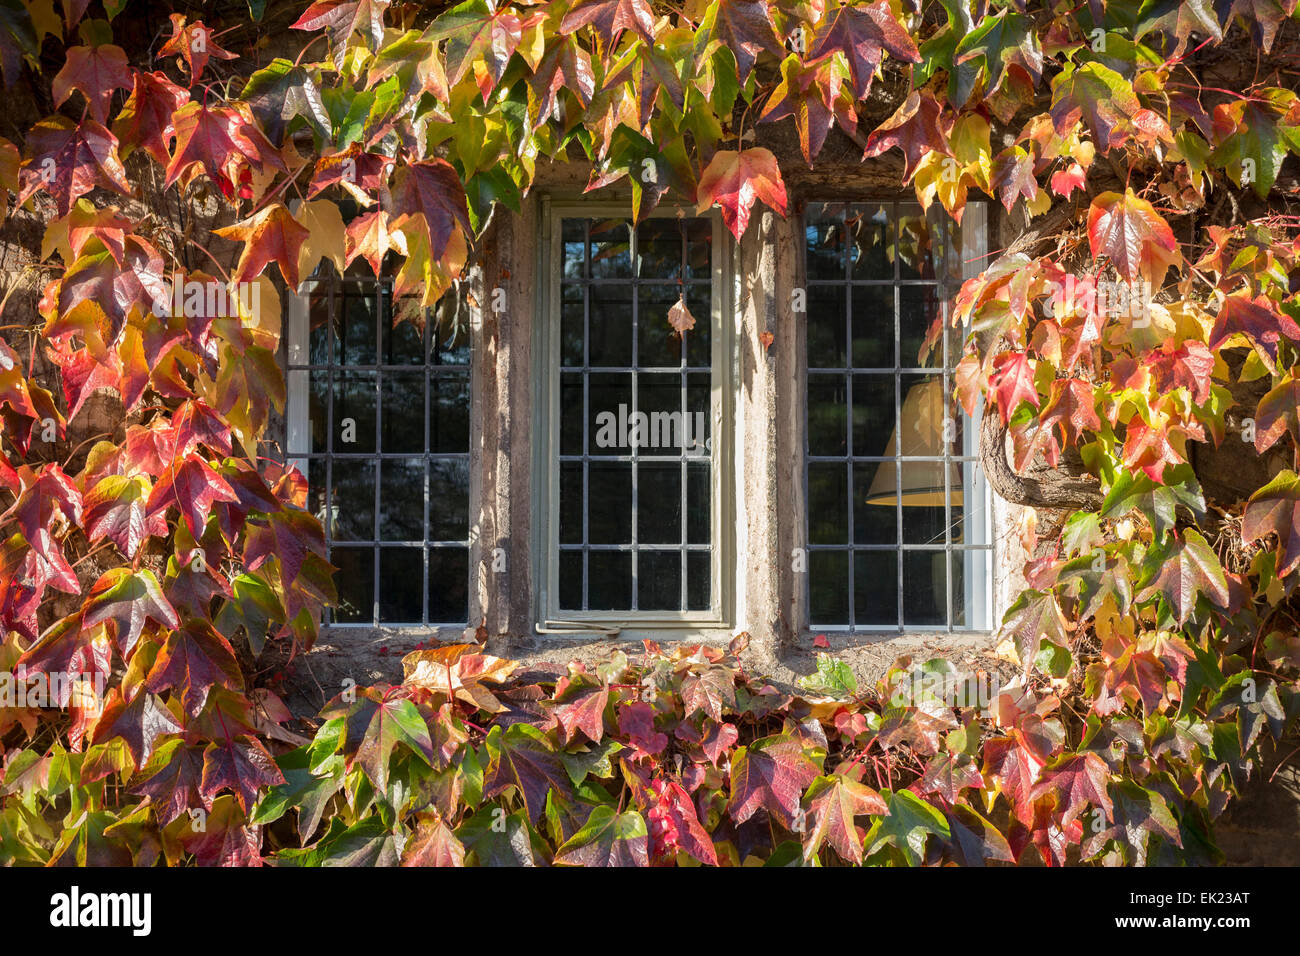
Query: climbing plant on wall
[1141, 328]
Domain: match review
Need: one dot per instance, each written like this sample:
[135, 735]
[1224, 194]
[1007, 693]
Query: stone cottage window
[898, 530]
[378, 421]
[616, 469]
[636, 515]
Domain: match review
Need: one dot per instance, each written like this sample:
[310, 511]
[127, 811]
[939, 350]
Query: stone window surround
[768, 598]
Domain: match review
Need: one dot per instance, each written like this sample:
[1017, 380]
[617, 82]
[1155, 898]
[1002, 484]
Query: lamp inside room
[918, 432]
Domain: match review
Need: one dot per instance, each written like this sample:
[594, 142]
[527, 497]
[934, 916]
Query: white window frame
[550, 619]
[297, 436]
[977, 505]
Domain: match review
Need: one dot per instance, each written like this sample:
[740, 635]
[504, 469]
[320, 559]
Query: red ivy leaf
[1011, 382]
[771, 773]
[170, 779]
[344, 17]
[1275, 509]
[864, 34]
[432, 190]
[193, 487]
[1148, 449]
[1066, 181]
[1071, 407]
[240, 765]
[675, 825]
[522, 758]
[609, 18]
[95, 72]
[66, 648]
[1078, 781]
[735, 180]
[742, 26]
[636, 722]
[272, 235]
[917, 128]
[126, 600]
[220, 141]
[1277, 414]
[139, 723]
[69, 160]
[832, 804]
[1188, 567]
[1133, 236]
[146, 119]
[195, 658]
[195, 44]
[1257, 318]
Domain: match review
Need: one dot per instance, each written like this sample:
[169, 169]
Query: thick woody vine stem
[1042, 488]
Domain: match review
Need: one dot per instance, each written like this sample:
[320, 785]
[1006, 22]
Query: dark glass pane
[316, 484]
[401, 594]
[317, 410]
[698, 504]
[918, 306]
[828, 587]
[403, 342]
[828, 503]
[609, 503]
[698, 577]
[827, 415]
[875, 515]
[318, 317]
[448, 585]
[355, 582]
[922, 430]
[873, 415]
[964, 477]
[448, 500]
[959, 559]
[572, 324]
[946, 239]
[354, 411]
[608, 425]
[610, 332]
[870, 233]
[449, 412]
[699, 249]
[571, 413]
[573, 236]
[659, 249]
[699, 403]
[609, 582]
[699, 341]
[659, 581]
[920, 248]
[357, 323]
[826, 327]
[659, 399]
[875, 583]
[923, 496]
[824, 240]
[401, 499]
[571, 580]
[571, 502]
[925, 595]
[611, 252]
[873, 326]
[658, 344]
[659, 502]
[352, 501]
[450, 340]
[402, 415]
